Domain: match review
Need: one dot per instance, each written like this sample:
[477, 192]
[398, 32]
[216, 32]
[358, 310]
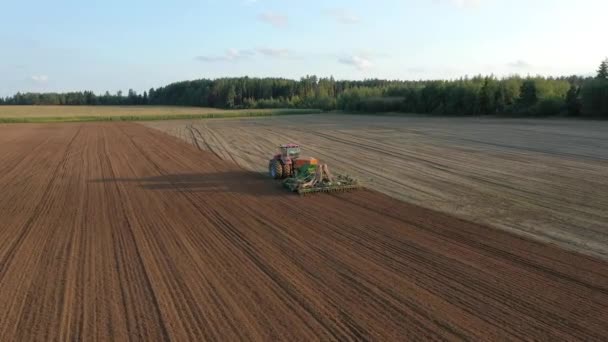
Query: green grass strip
[215, 115]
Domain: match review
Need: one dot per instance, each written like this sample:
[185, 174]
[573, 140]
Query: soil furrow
[122, 232]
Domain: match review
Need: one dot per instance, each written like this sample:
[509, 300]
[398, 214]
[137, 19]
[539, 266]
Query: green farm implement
[306, 175]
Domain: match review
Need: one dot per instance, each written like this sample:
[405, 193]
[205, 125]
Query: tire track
[143, 237]
[537, 178]
[10, 251]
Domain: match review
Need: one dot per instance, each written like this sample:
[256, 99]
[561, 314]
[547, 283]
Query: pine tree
[230, 97]
[485, 98]
[602, 72]
[500, 98]
[528, 95]
[573, 102]
[151, 96]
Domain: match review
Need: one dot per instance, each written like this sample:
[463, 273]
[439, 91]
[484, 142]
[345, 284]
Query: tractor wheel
[287, 171]
[275, 169]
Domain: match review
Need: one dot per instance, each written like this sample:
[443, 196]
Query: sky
[67, 45]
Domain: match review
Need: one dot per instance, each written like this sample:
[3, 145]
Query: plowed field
[545, 179]
[117, 231]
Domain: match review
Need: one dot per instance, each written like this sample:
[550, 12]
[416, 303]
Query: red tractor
[285, 164]
[306, 175]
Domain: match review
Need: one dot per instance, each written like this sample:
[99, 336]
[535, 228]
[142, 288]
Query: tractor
[304, 174]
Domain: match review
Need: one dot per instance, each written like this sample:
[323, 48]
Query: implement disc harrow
[338, 188]
[319, 179]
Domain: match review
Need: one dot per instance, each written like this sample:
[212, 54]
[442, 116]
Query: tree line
[480, 95]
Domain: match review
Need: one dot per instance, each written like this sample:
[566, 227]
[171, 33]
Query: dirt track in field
[116, 231]
[546, 179]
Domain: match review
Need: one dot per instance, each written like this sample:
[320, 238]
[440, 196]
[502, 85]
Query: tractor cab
[290, 151]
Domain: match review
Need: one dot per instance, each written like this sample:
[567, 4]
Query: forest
[480, 95]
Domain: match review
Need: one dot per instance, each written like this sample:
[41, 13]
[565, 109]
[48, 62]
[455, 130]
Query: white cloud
[359, 62]
[277, 53]
[39, 78]
[229, 55]
[343, 16]
[462, 3]
[466, 3]
[274, 19]
[233, 55]
[520, 64]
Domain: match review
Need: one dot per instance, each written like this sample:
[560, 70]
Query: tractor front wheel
[275, 169]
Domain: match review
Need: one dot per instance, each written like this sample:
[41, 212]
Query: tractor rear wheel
[287, 171]
[275, 169]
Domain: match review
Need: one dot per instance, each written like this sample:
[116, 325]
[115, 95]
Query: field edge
[158, 117]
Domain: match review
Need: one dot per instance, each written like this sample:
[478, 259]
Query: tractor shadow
[238, 182]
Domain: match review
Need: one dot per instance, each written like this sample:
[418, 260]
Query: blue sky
[115, 45]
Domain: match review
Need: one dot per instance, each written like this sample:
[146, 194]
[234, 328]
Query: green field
[42, 114]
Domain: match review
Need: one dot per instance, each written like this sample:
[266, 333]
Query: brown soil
[116, 231]
[545, 179]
